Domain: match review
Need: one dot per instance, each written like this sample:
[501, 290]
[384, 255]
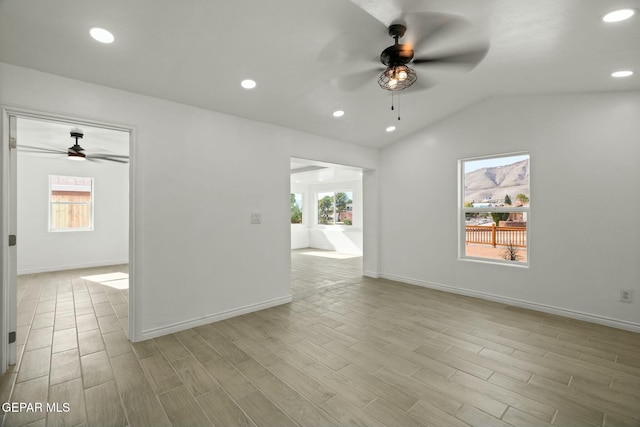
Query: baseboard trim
[70, 267]
[181, 326]
[573, 314]
[372, 274]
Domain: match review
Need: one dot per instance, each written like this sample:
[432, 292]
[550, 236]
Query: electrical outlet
[625, 295]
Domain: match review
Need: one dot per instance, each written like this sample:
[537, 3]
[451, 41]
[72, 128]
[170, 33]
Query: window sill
[70, 230]
[492, 261]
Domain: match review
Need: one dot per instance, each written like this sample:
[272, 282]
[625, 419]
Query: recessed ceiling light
[618, 15]
[248, 84]
[624, 73]
[101, 35]
[391, 129]
[338, 113]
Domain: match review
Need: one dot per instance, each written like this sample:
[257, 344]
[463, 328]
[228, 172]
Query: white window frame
[462, 233]
[317, 214]
[90, 203]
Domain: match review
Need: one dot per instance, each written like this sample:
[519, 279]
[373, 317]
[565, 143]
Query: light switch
[256, 218]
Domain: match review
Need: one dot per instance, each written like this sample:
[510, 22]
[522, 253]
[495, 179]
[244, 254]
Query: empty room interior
[337, 213]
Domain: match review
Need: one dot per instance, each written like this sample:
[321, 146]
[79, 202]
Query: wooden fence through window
[70, 209]
[497, 236]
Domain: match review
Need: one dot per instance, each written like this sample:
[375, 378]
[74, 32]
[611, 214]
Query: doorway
[327, 226]
[67, 215]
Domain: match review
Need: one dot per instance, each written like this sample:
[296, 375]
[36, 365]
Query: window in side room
[296, 208]
[70, 203]
[335, 208]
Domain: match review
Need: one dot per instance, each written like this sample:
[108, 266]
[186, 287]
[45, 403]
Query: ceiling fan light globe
[397, 78]
[75, 152]
[76, 157]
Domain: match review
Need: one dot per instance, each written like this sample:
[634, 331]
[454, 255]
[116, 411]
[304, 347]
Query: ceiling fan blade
[427, 28]
[348, 48]
[40, 152]
[467, 59]
[106, 158]
[116, 156]
[32, 149]
[355, 81]
[422, 83]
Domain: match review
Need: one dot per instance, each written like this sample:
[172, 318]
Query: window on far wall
[70, 203]
[494, 211]
[296, 208]
[335, 208]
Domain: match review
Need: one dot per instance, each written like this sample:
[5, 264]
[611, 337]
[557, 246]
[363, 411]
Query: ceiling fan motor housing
[397, 76]
[76, 152]
[398, 54]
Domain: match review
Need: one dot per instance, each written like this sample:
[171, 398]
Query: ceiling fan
[76, 152]
[397, 59]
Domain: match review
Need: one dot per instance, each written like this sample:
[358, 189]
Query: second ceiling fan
[76, 152]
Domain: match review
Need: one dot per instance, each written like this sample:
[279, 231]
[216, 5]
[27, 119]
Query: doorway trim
[8, 305]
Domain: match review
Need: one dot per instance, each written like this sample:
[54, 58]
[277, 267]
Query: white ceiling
[196, 52]
[311, 172]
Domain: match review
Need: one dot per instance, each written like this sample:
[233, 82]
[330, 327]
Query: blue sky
[471, 165]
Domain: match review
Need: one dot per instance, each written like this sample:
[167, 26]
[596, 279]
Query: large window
[296, 208]
[495, 208]
[335, 208]
[70, 203]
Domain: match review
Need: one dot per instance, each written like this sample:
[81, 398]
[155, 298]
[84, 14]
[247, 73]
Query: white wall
[584, 238]
[197, 256]
[40, 250]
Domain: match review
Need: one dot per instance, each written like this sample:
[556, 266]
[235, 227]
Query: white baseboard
[372, 274]
[587, 317]
[181, 326]
[70, 267]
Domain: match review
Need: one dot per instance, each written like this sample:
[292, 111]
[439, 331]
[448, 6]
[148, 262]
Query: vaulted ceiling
[301, 53]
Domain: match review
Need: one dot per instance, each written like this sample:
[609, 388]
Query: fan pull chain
[397, 102]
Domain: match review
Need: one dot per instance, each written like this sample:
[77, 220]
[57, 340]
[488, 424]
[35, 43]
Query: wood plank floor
[349, 351]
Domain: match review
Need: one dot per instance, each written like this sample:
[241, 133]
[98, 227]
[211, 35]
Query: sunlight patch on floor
[333, 255]
[115, 280]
